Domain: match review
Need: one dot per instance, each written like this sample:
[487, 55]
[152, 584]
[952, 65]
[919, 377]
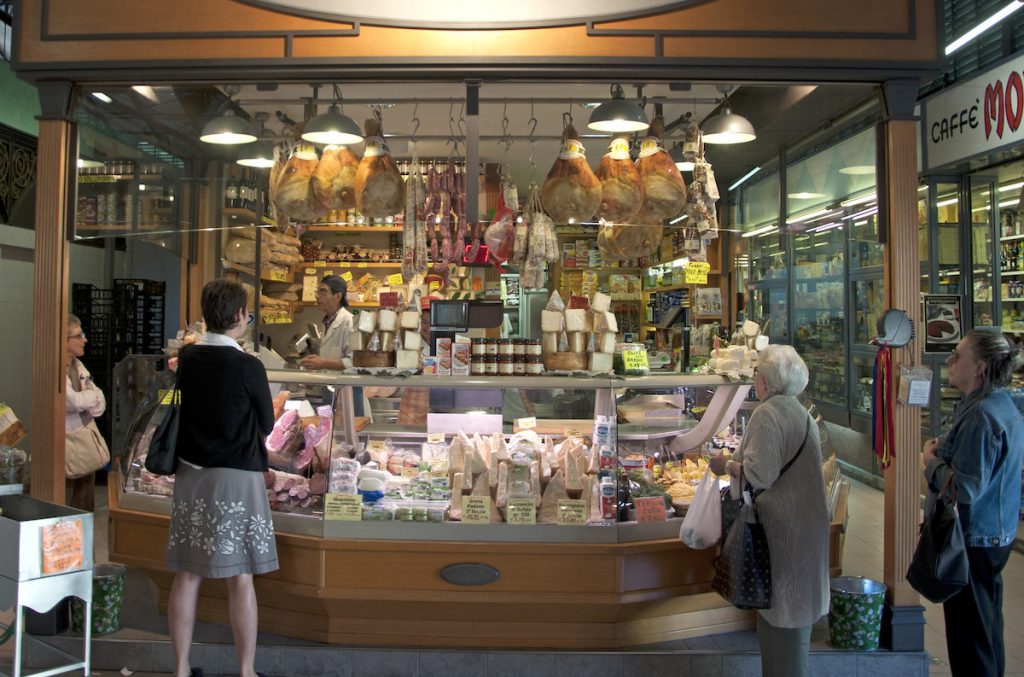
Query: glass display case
[983, 265]
[447, 448]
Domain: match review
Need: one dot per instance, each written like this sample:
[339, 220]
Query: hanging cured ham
[622, 190]
[572, 192]
[664, 188]
[334, 180]
[629, 240]
[380, 191]
[292, 193]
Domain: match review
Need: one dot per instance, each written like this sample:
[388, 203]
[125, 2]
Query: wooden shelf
[351, 304]
[236, 214]
[603, 269]
[300, 268]
[668, 287]
[251, 272]
[330, 228]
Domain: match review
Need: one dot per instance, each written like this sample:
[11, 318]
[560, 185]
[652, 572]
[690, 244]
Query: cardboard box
[460, 359]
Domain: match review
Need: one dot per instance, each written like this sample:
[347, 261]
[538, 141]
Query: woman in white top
[83, 402]
[335, 351]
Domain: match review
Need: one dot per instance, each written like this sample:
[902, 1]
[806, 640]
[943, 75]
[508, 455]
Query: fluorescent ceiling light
[805, 195]
[1011, 186]
[808, 217]
[857, 170]
[983, 26]
[944, 203]
[88, 164]
[860, 223]
[102, 97]
[677, 219]
[826, 226]
[870, 197]
[743, 178]
[761, 231]
[1008, 203]
[867, 212]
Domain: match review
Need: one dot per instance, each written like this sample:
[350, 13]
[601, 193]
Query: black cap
[336, 284]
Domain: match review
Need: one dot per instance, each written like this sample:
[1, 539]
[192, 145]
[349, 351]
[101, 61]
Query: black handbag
[743, 571]
[162, 455]
[939, 568]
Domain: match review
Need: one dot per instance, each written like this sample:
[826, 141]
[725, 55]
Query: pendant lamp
[682, 164]
[333, 127]
[727, 127]
[227, 129]
[618, 114]
[259, 154]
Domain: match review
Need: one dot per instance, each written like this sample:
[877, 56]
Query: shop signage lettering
[470, 13]
[977, 116]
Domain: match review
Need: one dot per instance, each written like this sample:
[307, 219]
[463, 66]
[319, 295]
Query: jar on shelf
[490, 365]
[506, 348]
[519, 365]
[534, 365]
[491, 346]
[477, 366]
[506, 365]
[478, 348]
[519, 347]
[532, 347]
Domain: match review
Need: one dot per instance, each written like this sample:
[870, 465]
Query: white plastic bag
[702, 526]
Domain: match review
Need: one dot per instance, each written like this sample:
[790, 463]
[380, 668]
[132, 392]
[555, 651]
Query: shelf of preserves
[407, 572]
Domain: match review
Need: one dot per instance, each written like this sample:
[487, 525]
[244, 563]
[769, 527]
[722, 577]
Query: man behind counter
[335, 350]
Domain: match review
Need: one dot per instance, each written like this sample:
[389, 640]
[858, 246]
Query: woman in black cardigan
[220, 521]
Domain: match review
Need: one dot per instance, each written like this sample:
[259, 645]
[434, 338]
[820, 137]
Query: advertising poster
[942, 328]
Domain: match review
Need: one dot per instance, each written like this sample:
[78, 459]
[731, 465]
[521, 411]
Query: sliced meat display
[293, 192]
[380, 191]
[572, 192]
[334, 181]
[664, 188]
[622, 189]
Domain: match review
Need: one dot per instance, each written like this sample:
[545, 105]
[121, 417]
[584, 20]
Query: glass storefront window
[863, 383]
[947, 204]
[982, 278]
[868, 304]
[818, 310]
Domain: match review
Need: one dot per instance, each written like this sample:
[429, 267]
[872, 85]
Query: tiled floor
[862, 557]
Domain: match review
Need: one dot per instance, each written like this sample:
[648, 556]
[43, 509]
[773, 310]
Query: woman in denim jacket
[983, 451]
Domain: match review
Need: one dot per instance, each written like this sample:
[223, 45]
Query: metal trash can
[855, 616]
[107, 596]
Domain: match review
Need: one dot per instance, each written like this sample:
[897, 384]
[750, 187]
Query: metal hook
[566, 119]
[415, 122]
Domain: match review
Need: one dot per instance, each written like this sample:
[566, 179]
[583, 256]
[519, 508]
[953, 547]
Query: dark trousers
[974, 617]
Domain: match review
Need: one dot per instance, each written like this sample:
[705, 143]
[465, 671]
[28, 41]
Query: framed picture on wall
[942, 322]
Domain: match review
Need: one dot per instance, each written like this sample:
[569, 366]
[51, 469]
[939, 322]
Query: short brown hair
[221, 300]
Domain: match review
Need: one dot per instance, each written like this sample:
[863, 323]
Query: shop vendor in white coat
[335, 351]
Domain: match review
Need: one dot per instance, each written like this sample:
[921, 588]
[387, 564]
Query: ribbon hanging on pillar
[883, 434]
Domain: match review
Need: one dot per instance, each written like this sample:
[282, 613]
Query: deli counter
[536, 511]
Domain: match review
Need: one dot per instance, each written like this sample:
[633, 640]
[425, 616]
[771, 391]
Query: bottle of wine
[231, 193]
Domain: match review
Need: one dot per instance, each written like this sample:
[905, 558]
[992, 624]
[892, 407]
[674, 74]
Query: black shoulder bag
[162, 456]
[940, 568]
[743, 570]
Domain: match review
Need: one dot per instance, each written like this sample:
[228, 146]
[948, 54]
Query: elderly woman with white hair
[780, 458]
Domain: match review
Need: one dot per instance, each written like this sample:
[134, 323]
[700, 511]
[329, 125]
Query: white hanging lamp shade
[259, 154]
[227, 129]
[618, 115]
[333, 127]
[682, 164]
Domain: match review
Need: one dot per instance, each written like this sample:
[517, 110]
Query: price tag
[362, 264]
[343, 507]
[476, 509]
[62, 547]
[650, 509]
[410, 473]
[521, 511]
[320, 264]
[376, 446]
[439, 475]
[279, 275]
[434, 286]
[435, 438]
[573, 432]
[697, 272]
[528, 423]
[633, 360]
[310, 271]
[395, 280]
[572, 511]
[347, 276]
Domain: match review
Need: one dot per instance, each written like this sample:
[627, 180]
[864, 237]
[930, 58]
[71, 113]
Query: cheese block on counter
[387, 319]
[605, 322]
[551, 320]
[602, 303]
[411, 340]
[367, 321]
[549, 342]
[372, 358]
[576, 320]
[407, 359]
[606, 343]
[600, 362]
[410, 319]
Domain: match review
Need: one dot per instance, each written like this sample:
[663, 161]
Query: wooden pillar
[903, 621]
[57, 152]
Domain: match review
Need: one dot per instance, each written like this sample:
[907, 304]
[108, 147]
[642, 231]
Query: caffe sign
[465, 14]
[976, 117]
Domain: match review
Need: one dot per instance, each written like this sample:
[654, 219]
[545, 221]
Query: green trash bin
[855, 616]
[107, 596]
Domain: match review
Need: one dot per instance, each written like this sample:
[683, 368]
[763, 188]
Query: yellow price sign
[320, 264]
[476, 509]
[434, 286]
[395, 280]
[633, 360]
[527, 423]
[435, 438]
[362, 264]
[572, 511]
[521, 511]
[696, 272]
[410, 473]
[376, 446]
[168, 395]
[310, 271]
[343, 507]
[279, 275]
[347, 276]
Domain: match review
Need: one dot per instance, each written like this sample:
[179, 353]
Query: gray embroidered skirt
[220, 523]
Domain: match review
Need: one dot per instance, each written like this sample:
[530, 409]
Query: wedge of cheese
[551, 320]
[605, 323]
[548, 513]
[602, 303]
[367, 321]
